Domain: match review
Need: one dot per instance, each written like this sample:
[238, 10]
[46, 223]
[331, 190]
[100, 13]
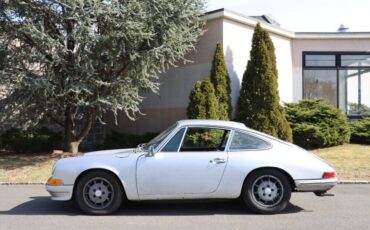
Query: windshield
[158, 139]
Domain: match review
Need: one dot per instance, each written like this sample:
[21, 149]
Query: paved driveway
[29, 207]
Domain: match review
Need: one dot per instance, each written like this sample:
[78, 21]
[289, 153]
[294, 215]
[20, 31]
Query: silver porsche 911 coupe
[193, 159]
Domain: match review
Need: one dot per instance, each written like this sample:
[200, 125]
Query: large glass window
[357, 88]
[355, 60]
[319, 60]
[342, 79]
[321, 84]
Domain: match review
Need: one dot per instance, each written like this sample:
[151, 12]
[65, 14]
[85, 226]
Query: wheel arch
[289, 177]
[78, 178]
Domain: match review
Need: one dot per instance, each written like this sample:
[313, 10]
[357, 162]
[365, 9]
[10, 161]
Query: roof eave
[237, 17]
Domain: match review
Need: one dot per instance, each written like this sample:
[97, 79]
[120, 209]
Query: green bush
[31, 140]
[360, 131]
[316, 124]
[116, 140]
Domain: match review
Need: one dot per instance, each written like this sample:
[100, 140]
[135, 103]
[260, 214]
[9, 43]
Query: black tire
[266, 191]
[99, 193]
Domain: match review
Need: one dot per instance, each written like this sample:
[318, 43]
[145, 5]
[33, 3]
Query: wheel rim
[98, 193]
[268, 191]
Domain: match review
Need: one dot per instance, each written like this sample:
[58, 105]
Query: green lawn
[351, 162]
[25, 168]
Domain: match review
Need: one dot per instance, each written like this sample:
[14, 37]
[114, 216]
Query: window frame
[338, 67]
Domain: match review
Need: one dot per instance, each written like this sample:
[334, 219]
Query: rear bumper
[318, 185]
[63, 192]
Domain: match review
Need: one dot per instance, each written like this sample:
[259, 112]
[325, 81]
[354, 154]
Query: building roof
[272, 26]
[267, 18]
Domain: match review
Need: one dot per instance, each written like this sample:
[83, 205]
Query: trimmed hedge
[316, 124]
[360, 131]
[117, 140]
[31, 140]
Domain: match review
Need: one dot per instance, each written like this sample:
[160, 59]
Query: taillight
[328, 175]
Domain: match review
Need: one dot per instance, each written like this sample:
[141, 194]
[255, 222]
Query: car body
[193, 159]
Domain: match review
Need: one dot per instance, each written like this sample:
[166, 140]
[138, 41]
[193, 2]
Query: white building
[334, 66]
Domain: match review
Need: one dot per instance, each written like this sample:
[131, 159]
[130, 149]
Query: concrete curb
[340, 182]
[354, 182]
[22, 183]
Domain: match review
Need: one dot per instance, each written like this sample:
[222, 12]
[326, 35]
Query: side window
[173, 144]
[205, 139]
[245, 141]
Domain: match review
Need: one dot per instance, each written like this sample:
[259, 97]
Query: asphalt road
[29, 207]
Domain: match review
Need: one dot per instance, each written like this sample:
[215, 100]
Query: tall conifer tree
[221, 82]
[258, 104]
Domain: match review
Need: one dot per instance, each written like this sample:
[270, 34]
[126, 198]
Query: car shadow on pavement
[43, 205]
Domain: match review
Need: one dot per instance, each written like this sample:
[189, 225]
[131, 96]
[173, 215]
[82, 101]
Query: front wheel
[267, 191]
[99, 193]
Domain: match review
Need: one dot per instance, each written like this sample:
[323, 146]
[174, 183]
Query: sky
[305, 15]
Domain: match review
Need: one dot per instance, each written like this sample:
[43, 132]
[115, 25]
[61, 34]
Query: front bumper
[63, 192]
[319, 185]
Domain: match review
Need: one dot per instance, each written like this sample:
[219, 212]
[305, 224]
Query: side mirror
[150, 151]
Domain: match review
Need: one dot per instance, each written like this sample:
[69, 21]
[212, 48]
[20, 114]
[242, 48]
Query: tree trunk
[72, 140]
[72, 147]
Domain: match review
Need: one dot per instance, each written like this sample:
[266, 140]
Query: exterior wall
[163, 109]
[237, 42]
[237, 51]
[335, 45]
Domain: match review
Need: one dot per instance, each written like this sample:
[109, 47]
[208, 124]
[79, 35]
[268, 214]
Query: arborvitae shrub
[221, 82]
[203, 102]
[258, 104]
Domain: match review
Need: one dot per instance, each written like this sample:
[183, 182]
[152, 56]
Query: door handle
[217, 161]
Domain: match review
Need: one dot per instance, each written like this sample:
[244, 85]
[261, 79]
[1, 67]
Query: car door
[192, 162]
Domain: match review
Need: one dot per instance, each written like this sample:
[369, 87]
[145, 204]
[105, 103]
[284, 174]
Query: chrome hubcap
[267, 191]
[98, 193]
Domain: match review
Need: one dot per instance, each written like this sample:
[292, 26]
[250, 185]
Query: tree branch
[88, 125]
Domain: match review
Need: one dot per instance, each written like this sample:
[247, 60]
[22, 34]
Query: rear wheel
[99, 193]
[267, 191]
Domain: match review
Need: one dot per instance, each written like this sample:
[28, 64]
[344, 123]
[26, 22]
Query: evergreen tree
[73, 61]
[203, 101]
[221, 81]
[258, 104]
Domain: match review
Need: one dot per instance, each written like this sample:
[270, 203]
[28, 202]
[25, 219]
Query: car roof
[229, 124]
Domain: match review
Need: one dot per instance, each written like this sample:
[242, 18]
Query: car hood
[119, 152]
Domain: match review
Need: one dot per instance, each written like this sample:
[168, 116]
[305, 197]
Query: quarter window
[173, 144]
[243, 141]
